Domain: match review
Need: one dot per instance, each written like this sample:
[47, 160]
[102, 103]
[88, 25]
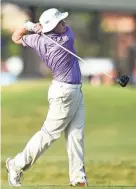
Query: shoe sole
[79, 185]
[7, 167]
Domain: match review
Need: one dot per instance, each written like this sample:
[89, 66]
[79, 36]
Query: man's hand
[37, 28]
[33, 27]
[28, 26]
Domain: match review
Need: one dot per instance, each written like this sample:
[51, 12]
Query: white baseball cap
[50, 18]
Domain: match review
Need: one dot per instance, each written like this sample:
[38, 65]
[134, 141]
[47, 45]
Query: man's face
[60, 28]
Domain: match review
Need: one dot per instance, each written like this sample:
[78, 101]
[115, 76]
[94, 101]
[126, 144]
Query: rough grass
[110, 143]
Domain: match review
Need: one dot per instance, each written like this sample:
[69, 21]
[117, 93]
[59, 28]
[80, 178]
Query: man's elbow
[17, 35]
[13, 38]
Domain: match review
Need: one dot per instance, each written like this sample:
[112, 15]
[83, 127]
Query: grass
[110, 144]
[66, 187]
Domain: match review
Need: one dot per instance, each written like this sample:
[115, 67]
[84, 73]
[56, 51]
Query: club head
[123, 80]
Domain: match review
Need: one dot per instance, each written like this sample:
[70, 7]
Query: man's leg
[34, 148]
[54, 124]
[22, 161]
[61, 110]
[74, 135]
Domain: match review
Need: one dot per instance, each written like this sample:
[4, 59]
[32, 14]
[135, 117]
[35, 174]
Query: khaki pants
[66, 113]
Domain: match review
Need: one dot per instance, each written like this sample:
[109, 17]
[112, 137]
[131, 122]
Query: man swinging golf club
[66, 105]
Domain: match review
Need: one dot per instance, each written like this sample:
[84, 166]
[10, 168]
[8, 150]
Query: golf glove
[29, 26]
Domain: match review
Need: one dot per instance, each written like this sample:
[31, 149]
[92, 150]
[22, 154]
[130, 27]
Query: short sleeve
[30, 40]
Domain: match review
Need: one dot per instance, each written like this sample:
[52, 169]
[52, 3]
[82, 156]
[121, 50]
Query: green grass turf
[66, 187]
[110, 134]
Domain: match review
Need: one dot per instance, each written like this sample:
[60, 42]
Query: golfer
[66, 105]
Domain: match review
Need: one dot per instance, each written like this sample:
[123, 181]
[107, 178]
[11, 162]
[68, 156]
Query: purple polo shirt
[64, 66]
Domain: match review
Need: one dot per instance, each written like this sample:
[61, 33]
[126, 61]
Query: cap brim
[50, 26]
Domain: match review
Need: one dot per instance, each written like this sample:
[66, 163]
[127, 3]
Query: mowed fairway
[110, 135]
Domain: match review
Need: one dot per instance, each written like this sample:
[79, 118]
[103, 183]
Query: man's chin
[64, 30]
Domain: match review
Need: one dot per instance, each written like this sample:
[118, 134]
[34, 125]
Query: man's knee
[76, 134]
[51, 135]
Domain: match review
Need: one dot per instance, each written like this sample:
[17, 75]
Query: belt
[73, 83]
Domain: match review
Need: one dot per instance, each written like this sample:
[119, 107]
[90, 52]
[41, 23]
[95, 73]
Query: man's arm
[20, 32]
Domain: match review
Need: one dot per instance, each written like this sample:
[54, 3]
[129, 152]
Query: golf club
[122, 81]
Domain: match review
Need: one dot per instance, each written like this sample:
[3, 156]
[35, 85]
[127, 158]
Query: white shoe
[80, 182]
[14, 175]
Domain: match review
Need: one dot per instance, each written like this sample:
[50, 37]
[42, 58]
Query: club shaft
[72, 53]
